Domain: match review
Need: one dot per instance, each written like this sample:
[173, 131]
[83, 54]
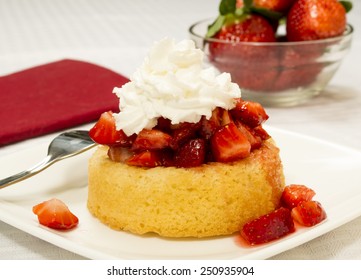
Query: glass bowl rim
[348, 32]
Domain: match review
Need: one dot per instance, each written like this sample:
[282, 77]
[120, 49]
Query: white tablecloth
[117, 35]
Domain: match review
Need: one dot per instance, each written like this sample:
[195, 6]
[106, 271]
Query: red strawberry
[261, 132]
[209, 127]
[226, 118]
[268, 227]
[146, 159]
[251, 113]
[55, 214]
[315, 19]
[104, 132]
[119, 154]
[163, 124]
[229, 143]
[236, 28]
[191, 154]
[296, 77]
[293, 194]
[274, 5]
[253, 138]
[255, 77]
[309, 213]
[250, 28]
[298, 66]
[182, 132]
[151, 139]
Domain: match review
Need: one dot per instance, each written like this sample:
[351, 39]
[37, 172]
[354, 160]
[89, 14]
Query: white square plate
[333, 171]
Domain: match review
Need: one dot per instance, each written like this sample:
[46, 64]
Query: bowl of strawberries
[280, 52]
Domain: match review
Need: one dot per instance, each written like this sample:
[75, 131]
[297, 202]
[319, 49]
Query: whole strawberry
[235, 27]
[274, 5]
[249, 28]
[315, 19]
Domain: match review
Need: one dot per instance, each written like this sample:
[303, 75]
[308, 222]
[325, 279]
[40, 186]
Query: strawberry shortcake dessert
[185, 156]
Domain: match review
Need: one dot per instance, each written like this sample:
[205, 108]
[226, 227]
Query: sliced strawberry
[254, 139]
[104, 132]
[229, 143]
[151, 139]
[148, 158]
[183, 132]
[164, 125]
[268, 227]
[55, 214]
[191, 154]
[226, 118]
[261, 132]
[309, 213]
[119, 154]
[294, 194]
[251, 113]
[209, 127]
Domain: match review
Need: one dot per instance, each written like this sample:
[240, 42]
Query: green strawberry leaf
[215, 26]
[247, 3]
[273, 15]
[347, 5]
[227, 7]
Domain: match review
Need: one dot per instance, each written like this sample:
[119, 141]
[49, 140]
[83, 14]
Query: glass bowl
[275, 74]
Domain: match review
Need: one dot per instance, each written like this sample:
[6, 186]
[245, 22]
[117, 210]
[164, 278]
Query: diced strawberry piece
[119, 154]
[209, 127]
[251, 113]
[191, 154]
[229, 143]
[309, 213]
[294, 194]
[146, 158]
[183, 132]
[216, 117]
[253, 138]
[261, 132]
[55, 214]
[104, 132]
[268, 227]
[151, 139]
[226, 118]
[164, 125]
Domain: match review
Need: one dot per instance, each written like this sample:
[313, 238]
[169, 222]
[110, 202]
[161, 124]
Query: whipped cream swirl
[173, 83]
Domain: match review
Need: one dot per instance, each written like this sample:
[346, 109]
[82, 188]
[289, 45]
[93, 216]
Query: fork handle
[46, 162]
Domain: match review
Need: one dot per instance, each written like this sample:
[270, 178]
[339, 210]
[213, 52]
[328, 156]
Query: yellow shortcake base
[211, 200]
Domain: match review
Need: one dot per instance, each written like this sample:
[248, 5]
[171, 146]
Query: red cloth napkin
[54, 96]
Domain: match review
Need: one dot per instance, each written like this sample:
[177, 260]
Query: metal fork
[63, 146]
